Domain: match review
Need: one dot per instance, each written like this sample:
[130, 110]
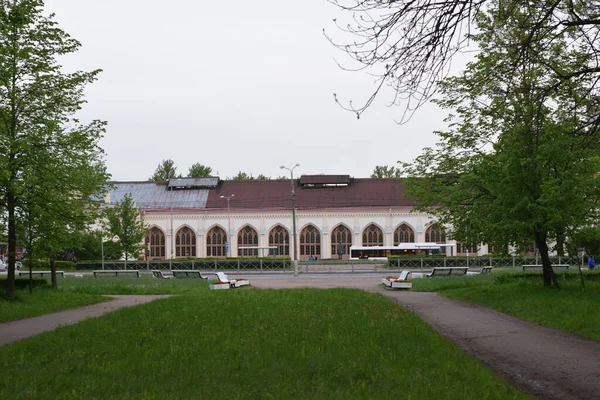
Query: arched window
[280, 237]
[155, 243]
[372, 236]
[247, 237]
[185, 243]
[341, 240]
[436, 234]
[404, 234]
[310, 242]
[215, 242]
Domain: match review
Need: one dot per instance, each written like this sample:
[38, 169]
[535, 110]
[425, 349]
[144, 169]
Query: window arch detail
[247, 236]
[341, 240]
[404, 234]
[310, 241]
[155, 243]
[185, 243]
[215, 242]
[372, 236]
[280, 237]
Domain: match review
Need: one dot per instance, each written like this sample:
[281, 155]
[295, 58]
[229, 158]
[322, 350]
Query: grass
[43, 301]
[569, 309]
[247, 344]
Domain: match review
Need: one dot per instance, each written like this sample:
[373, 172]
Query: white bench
[538, 267]
[482, 271]
[447, 271]
[187, 273]
[157, 273]
[41, 274]
[116, 272]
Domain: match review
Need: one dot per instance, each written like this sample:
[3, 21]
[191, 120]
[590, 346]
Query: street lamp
[228, 224]
[293, 215]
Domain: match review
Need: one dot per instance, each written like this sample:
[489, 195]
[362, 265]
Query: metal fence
[325, 266]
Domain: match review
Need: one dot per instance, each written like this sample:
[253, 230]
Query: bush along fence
[241, 264]
[475, 262]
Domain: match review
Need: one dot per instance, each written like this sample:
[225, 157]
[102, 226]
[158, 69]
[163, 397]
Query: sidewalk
[21, 329]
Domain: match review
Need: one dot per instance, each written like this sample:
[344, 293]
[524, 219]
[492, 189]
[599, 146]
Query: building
[191, 217]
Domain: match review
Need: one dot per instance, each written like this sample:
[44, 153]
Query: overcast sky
[236, 85]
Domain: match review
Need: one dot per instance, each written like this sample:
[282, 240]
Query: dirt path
[546, 363]
[19, 330]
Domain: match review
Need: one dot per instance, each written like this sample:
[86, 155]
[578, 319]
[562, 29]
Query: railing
[325, 266]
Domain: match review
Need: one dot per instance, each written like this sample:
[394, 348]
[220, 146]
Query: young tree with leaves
[50, 163]
[384, 171]
[515, 165]
[166, 170]
[198, 170]
[124, 223]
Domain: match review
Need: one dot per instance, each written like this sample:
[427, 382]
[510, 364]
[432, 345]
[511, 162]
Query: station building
[193, 217]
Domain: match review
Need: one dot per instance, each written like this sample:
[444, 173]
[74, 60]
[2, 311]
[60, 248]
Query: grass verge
[43, 301]
[248, 344]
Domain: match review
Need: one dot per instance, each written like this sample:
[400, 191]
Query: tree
[384, 171]
[242, 176]
[198, 170]
[123, 222]
[46, 154]
[166, 170]
[409, 44]
[515, 165]
[87, 245]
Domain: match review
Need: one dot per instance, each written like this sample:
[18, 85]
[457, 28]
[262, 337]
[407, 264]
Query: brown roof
[324, 179]
[276, 194]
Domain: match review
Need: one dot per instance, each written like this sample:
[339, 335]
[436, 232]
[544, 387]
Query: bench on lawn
[482, 271]
[157, 273]
[447, 271]
[41, 274]
[116, 272]
[187, 273]
[538, 267]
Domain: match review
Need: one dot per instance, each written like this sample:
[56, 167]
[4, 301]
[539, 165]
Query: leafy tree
[123, 222]
[586, 239]
[166, 170]
[409, 44]
[384, 171]
[51, 165]
[242, 176]
[515, 165]
[87, 245]
[262, 177]
[198, 170]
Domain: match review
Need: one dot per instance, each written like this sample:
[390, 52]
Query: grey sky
[236, 85]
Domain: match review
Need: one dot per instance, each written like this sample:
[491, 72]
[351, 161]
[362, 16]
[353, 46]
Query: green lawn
[249, 343]
[43, 301]
[570, 308]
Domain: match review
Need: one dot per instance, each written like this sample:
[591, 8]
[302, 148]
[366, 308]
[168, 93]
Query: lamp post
[228, 224]
[293, 215]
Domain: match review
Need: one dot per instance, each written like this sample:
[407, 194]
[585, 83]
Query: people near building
[591, 262]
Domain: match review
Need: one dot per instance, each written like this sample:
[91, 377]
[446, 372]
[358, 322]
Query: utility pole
[293, 216]
[228, 224]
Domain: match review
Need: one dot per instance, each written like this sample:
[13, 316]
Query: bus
[383, 252]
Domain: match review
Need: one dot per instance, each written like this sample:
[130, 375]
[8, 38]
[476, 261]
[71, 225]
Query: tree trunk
[53, 273]
[12, 244]
[549, 275]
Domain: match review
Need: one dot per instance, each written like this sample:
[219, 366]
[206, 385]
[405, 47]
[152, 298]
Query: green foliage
[51, 165]
[242, 176]
[166, 170]
[586, 239]
[44, 265]
[515, 165]
[384, 171]
[123, 222]
[198, 170]
[87, 245]
[23, 283]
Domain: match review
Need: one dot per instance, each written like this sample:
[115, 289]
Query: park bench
[447, 271]
[116, 272]
[482, 271]
[41, 274]
[538, 267]
[157, 273]
[187, 273]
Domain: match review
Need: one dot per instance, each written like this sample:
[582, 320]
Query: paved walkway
[19, 330]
